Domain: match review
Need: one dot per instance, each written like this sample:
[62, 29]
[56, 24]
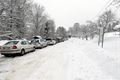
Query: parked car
[39, 43]
[59, 39]
[43, 42]
[16, 47]
[36, 43]
[50, 41]
[37, 37]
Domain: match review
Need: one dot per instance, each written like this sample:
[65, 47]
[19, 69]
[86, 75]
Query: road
[5, 66]
[74, 59]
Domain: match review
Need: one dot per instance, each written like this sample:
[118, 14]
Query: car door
[24, 46]
[29, 46]
[45, 42]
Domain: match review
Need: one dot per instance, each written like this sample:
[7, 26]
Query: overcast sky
[67, 12]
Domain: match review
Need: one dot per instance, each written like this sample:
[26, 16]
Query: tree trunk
[86, 37]
[119, 32]
[103, 32]
[99, 38]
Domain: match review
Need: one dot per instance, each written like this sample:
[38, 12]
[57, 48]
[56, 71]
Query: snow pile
[112, 34]
[111, 43]
[81, 66]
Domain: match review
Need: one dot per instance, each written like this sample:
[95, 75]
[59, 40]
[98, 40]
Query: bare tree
[61, 32]
[92, 28]
[4, 5]
[103, 23]
[85, 31]
[13, 15]
[38, 18]
[75, 30]
[49, 30]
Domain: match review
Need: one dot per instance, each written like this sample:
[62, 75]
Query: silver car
[51, 42]
[16, 47]
[36, 43]
[43, 42]
[39, 43]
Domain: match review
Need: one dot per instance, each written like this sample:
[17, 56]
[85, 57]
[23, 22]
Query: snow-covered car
[36, 43]
[37, 37]
[59, 39]
[43, 42]
[51, 41]
[16, 47]
[39, 43]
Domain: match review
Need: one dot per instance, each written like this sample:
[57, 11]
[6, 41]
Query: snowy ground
[74, 59]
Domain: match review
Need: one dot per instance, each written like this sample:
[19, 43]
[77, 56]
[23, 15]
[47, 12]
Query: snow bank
[112, 34]
[111, 43]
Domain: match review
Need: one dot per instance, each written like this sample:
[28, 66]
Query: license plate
[6, 48]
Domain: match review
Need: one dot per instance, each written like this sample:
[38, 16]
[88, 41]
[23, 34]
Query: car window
[12, 43]
[48, 39]
[35, 37]
[38, 41]
[24, 43]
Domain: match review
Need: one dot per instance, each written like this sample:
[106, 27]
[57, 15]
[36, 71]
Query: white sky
[67, 12]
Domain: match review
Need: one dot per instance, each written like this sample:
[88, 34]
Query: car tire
[33, 49]
[7, 55]
[22, 52]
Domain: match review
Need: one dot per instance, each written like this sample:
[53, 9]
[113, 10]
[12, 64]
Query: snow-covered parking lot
[74, 59]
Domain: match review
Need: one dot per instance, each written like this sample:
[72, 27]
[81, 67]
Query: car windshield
[48, 39]
[36, 38]
[35, 41]
[12, 43]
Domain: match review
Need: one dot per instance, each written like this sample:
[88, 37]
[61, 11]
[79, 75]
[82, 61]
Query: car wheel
[22, 52]
[33, 49]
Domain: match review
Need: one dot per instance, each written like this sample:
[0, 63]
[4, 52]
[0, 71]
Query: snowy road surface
[74, 59]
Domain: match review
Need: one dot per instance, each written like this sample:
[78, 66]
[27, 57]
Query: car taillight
[14, 47]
